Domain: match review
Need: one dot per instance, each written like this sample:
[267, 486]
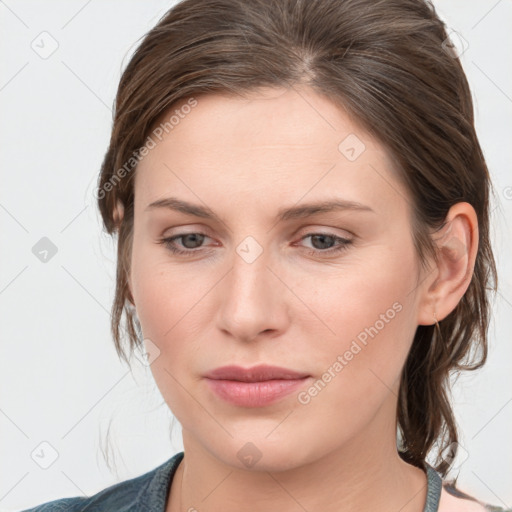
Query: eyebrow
[294, 212]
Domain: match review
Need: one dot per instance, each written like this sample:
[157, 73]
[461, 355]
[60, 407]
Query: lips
[258, 386]
[258, 373]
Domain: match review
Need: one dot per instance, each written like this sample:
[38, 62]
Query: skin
[245, 159]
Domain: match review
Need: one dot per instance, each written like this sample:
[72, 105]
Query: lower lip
[254, 394]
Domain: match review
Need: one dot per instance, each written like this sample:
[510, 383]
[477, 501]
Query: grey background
[60, 379]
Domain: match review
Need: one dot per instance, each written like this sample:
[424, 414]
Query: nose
[252, 299]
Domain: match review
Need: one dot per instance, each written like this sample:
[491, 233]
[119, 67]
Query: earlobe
[118, 213]
[457, 245]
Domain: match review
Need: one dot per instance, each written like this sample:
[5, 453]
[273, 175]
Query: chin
[262, 455]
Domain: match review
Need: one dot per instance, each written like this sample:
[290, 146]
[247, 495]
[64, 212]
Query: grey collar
[434, 485]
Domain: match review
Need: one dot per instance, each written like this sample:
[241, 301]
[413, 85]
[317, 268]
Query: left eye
[196, 239]
[320, 239]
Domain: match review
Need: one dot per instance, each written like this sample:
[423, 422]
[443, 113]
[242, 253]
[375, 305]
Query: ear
[448, 280]
[118, 216]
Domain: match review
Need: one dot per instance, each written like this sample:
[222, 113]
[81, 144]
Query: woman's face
[259, 284]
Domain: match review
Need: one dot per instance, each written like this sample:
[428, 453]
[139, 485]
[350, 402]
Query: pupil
[321, 237]
[194, 237]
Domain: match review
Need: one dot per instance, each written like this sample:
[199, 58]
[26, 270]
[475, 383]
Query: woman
[301, 207]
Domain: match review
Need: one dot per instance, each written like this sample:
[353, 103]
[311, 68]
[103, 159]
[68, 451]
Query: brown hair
[388, 65]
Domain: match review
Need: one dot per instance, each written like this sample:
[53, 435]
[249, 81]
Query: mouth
[258, 373]
[254, 387]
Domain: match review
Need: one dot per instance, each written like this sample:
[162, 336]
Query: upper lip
[255, 374]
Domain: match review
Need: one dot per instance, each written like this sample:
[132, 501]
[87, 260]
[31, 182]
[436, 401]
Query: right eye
[186, 239]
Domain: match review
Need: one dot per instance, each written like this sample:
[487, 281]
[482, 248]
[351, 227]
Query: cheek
[155, 301]
[161, 296]
[360, 369]
[174, 310]
[366, 316]
[166, 307]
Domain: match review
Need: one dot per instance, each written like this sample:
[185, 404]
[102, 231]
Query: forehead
[275, 144]
[276, 118]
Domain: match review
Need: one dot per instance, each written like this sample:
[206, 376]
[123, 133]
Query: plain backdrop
[62, 386]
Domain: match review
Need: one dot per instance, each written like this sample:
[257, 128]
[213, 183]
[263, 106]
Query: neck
[364, 473]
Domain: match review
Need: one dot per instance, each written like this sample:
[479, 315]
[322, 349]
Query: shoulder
[454, 500]
[144, 492]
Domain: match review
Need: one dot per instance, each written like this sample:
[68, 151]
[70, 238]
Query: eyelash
[344, 243]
